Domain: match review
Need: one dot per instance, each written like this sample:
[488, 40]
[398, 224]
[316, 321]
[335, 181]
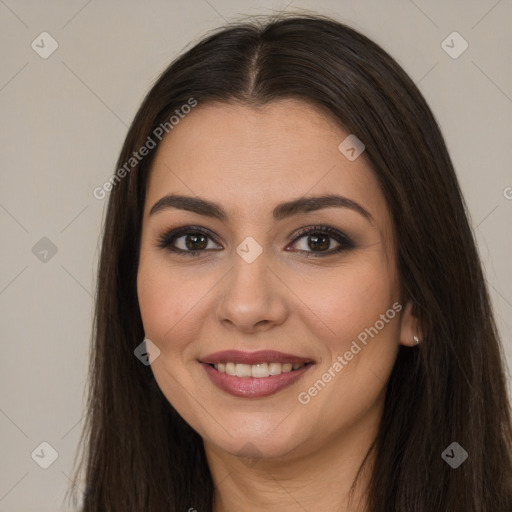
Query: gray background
[63, 120]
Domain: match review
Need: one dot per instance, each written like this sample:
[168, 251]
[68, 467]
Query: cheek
[344, 303]
[165, 297]
[359, 347]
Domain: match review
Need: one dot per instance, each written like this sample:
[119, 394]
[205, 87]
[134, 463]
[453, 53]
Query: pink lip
[261, 356]
[252, 387]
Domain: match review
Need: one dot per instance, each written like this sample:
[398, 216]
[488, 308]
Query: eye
[189, 240]
[193, 240]
[318, 239]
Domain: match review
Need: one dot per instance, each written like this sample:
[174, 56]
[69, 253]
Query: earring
[416, 340]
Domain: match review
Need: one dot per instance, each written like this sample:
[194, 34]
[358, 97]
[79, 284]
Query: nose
[253, 298]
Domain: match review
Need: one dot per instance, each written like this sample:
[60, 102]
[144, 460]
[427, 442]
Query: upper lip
[261, 356]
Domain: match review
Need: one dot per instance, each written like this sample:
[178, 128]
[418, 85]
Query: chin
[272, 438]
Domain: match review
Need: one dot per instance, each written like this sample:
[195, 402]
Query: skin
[272, 453]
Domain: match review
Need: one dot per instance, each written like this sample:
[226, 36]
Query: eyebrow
[281, 211]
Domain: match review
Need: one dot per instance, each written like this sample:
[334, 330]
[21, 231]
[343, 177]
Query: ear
[409, 327]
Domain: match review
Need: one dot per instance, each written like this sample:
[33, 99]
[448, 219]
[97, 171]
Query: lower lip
[252, 387]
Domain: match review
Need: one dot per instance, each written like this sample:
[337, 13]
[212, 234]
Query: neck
[318, 478]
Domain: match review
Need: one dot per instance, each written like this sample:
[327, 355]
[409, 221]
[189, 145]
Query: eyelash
[166, 239]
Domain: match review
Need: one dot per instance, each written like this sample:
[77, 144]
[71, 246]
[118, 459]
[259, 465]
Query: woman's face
[278, 280]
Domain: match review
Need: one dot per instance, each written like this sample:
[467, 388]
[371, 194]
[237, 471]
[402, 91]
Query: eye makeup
[314, 234]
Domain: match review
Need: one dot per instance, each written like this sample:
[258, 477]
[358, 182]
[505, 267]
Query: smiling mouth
[259, 380]
[258, 371]
[254, 374]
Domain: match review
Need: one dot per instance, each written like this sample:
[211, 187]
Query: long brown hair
[140, 454]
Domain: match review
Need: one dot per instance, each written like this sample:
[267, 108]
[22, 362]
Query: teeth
[243, 370]
[259, 370]
[256, 370]
[274, 368]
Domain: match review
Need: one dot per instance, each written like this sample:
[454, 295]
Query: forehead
[251, 158]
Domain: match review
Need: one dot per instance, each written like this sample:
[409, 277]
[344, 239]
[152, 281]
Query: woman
[286, 233]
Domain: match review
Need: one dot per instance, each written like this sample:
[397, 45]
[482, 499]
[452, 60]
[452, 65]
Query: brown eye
[195, 242]
[187, 240]
[319, 241]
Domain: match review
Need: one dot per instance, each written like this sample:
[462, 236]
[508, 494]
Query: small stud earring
[416, 340]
